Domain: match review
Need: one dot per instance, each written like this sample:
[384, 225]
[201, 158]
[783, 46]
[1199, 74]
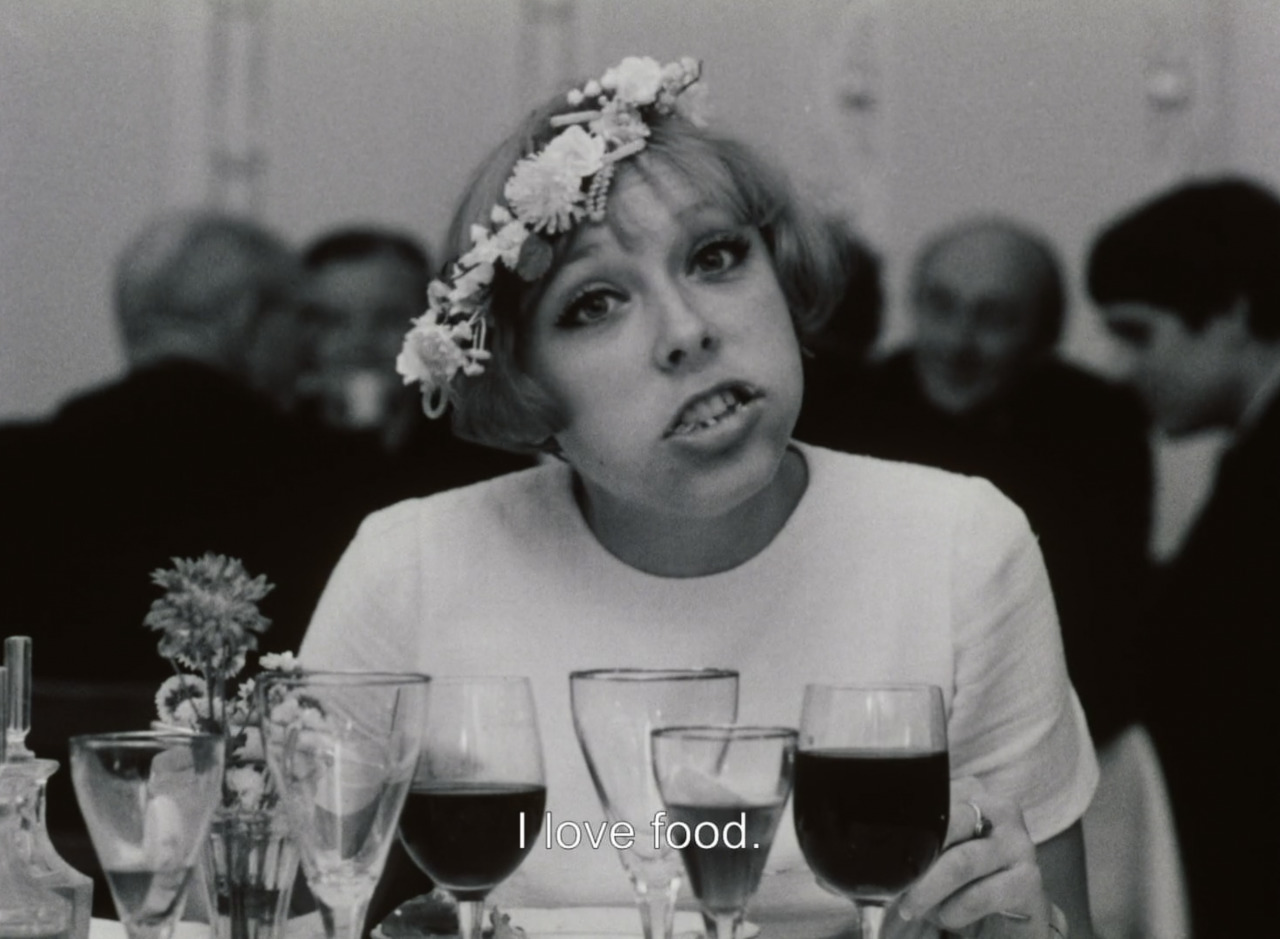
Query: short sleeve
[1016, 722]
[366, 617]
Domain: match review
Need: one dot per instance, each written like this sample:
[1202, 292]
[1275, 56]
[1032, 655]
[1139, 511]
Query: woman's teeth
[707, 413]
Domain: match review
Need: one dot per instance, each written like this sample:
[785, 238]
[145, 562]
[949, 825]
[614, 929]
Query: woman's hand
[986, 883]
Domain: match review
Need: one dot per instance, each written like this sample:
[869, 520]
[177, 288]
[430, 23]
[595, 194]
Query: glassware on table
[725, 786]
[872, 789]
[341, 747]
[614, 713]
[148, 798]
[28, 908]
[46, 865]
[478, 795]
[30, 777]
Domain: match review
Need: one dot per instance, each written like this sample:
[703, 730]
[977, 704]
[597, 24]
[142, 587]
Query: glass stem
[725, 925]
[657, 902]
[870, 919]
[343, 922]
[470, 919]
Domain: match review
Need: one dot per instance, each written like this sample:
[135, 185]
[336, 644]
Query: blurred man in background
[365, 286]
[191, 450]
[1189, 283]
[981, 391]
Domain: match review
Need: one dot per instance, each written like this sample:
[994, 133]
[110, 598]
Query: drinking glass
[342, 747]
[725, 787]
[872, 789]
[614, 713]
[148, 799]
[479, 792]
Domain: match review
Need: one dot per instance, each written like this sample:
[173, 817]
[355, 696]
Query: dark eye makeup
[715, 255]
[720, 252]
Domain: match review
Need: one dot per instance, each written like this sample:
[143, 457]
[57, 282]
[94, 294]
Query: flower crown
[546, 194]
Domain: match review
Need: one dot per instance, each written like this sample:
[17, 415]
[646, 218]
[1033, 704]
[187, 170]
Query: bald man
[982, 391]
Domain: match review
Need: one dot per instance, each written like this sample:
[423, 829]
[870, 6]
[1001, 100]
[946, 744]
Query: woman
[631, 295]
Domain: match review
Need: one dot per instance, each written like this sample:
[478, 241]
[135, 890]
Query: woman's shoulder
[910, 504]
[468, 508]
[893, 485]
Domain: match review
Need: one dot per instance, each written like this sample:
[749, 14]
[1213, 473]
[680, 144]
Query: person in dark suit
[1189, 282]
[981, 392]
[190, 451]
[365, 286]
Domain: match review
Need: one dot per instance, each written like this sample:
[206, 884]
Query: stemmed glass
[342, 747]
[148, 799]
[725, 787]
[478, 795]
[872, 789]
[614, 713]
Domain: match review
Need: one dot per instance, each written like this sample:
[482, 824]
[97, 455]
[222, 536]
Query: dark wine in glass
[725, 875]
[724, 787]
[479, 769]
[871, 821]
[467, 837]
[872, 789]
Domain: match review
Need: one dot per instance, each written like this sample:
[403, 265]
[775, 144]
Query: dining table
[597, 922]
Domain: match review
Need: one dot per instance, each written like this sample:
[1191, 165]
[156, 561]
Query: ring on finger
[981, 824]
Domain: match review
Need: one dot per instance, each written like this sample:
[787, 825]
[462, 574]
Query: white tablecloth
[302, 927]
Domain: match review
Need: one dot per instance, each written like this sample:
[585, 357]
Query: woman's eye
[587, 308]
[720, 255]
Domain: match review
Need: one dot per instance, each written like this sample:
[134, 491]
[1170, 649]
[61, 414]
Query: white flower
[620, 124]
[246, 785]
[544, 195]
[189, 714]
[280, 662]
[430, 354]
[183, 700]
[576, 151]
[574, 98]
[635, 80]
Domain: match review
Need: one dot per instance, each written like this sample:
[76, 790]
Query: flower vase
[249, 868]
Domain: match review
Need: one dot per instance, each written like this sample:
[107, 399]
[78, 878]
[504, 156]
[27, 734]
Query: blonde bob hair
[504, 407]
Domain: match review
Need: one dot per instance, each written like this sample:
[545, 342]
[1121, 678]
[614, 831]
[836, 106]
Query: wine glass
[342, 747]
[614, 713]
[872, 789]
[148, 799]
[479, 792]
[725, 787]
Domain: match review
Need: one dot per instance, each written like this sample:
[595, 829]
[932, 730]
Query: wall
[903, 113]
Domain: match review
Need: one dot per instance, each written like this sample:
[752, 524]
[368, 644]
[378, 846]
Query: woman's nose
[685, 335]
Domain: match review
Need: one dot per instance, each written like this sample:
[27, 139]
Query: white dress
[884, 572]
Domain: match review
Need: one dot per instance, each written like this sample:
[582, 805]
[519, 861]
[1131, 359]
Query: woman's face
[666, 342]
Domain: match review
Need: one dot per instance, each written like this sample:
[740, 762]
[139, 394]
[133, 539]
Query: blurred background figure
[981, 391]
[1189, 283]
[365, 285]
[191, 451]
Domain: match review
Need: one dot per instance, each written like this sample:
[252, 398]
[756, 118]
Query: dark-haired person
[981, 391]
[366, 284]
[1189, 282]
[191, 450]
